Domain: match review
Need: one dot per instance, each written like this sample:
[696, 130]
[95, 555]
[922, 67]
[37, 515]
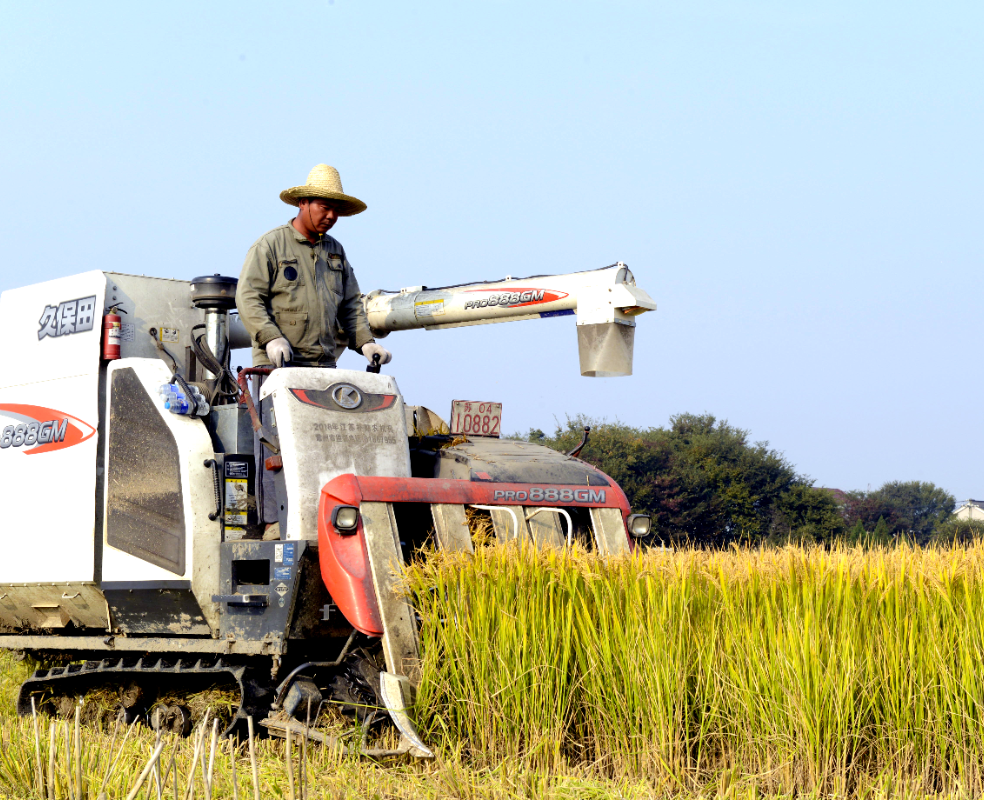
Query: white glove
[371, 349]
[279, 352]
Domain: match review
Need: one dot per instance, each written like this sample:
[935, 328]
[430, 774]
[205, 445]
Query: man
[297, 290]
[297, 287]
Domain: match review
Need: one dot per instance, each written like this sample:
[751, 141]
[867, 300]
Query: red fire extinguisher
[112, 334]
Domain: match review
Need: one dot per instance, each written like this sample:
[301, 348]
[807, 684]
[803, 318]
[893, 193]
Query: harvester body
[133, 543]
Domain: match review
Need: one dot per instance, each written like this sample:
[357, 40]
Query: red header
[353, 490]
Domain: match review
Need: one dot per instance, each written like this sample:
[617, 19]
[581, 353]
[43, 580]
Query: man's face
[319, 214]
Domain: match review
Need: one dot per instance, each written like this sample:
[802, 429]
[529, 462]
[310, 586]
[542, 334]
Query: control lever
[375, 365]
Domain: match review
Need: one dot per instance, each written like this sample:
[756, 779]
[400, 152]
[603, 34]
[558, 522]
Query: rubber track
[79, 678]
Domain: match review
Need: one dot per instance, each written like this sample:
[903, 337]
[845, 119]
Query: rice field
[745, 673]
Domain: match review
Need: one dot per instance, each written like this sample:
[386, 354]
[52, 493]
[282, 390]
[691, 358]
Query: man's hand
[371, 349]
[279, 352]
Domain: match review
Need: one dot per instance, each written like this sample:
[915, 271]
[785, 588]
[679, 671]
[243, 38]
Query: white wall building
[972, 509]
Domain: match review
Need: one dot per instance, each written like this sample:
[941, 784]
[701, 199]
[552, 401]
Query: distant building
[972, 509]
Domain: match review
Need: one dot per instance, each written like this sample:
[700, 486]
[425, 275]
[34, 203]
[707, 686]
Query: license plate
[476, 419]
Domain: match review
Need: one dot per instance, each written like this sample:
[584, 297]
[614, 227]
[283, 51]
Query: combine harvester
[132, 549]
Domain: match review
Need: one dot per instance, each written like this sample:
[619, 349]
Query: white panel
[44, 358]
[202, 536]
[318, 444]
[49, 517]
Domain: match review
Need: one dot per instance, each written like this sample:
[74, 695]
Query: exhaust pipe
[216, 295]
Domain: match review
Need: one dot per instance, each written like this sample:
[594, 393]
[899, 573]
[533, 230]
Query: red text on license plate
[476, 419]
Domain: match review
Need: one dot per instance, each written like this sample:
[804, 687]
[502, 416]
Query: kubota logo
[42, 429]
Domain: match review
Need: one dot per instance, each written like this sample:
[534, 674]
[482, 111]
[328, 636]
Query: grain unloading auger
[133, 551]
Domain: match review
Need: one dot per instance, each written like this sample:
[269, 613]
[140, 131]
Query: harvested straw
[146, 771]
[252, 760]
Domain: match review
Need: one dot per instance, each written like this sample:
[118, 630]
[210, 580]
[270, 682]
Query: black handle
[375, 365]
[255, 600]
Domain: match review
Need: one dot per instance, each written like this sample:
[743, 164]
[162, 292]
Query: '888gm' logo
[550, 494]
[33, 433]
[40, 429]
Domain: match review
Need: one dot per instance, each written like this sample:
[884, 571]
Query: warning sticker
[429, 308]
[236, 469]
[281, 589]
[126, 331]
[236, 500]
[289, 553]
[281, 573]
[234, 534]
[169, 335]
[278, 553]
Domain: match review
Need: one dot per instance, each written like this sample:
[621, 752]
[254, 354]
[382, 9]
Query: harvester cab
[130, 457]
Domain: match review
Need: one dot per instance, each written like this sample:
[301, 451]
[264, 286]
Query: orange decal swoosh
[76, 432]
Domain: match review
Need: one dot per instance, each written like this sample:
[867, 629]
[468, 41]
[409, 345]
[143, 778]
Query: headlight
[640, 525]
[345, 519]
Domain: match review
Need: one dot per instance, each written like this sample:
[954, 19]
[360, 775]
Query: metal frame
[141, 644]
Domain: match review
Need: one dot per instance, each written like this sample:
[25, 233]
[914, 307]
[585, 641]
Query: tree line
[706, 483]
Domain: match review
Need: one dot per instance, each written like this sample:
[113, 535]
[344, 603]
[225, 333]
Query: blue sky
[796, 184]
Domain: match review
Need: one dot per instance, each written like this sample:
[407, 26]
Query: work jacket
[304, 291]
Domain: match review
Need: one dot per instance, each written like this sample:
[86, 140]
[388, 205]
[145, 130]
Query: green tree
[958, 531]
[703, 481]
[920, 506]
[857, 534]
[806, 514]
[908, 508]
[881, 534]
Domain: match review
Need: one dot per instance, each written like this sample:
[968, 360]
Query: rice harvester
[134, 556]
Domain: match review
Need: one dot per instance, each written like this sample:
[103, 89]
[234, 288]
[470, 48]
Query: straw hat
[323, 181]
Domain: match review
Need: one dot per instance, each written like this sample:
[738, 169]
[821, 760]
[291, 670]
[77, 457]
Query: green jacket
[303, 291]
